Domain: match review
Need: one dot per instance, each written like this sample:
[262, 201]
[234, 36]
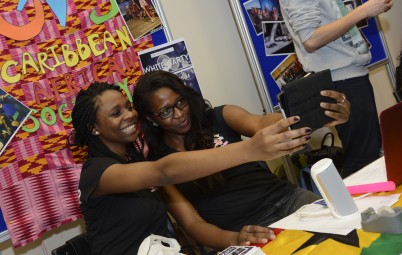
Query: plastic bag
[159, 245]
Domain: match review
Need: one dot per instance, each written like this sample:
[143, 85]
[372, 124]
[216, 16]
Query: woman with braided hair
[117, 187]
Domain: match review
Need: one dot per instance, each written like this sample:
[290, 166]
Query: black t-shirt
[117, 224]
[247, 193]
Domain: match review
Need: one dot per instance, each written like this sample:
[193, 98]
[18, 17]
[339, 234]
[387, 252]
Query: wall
[393, 35]
[210, 32]
[216, 50]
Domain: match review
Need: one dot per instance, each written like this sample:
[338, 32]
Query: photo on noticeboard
[288, 70]
[260, 11]
[12, 115]
[141, 17]
[277, 39]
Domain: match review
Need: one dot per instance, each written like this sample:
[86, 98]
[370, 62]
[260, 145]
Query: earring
[154, 124]
[95, 132]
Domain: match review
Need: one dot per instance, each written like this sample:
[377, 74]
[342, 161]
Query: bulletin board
[80, 12]
[262, 64]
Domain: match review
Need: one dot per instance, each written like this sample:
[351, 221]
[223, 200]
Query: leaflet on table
[172, 57]
[335, 225]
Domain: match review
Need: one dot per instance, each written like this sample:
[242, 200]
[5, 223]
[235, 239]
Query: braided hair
[200, 135]
[84, 119]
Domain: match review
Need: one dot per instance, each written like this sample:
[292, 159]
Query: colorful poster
[172, 57]
[49, 50]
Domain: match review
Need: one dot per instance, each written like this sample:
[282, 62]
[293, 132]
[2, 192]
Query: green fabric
[386, 244]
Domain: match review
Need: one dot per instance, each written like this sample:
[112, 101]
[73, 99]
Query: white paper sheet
[372, 173]
[334, 225]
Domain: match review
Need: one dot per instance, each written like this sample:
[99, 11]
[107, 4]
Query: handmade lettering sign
[49, 50]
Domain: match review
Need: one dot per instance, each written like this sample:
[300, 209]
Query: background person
[326, 37]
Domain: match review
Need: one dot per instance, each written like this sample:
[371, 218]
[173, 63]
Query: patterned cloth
[38, 172]
[357, 242]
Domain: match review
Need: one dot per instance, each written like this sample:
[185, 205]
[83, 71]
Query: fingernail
[323, 92]
[296, 118]
[308, 138]
[308, 130]
[322, 104]
[264, 240]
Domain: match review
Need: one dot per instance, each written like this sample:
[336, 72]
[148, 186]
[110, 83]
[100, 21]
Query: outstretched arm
[207, 234]
[266, 144]
[332, 31]
[246, 123]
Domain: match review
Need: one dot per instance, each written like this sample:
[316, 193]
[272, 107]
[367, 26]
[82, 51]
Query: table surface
[300, 242]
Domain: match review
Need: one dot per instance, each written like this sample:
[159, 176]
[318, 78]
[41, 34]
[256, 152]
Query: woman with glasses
[175, 118]
[117, 193]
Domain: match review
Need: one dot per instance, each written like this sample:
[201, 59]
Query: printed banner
[171, 57]
[49, 50]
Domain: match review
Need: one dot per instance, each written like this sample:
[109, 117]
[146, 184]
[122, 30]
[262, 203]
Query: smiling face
[161, 100]
[116, 121]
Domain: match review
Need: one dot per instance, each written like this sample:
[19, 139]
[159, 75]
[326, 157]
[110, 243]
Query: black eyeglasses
[168, 111]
